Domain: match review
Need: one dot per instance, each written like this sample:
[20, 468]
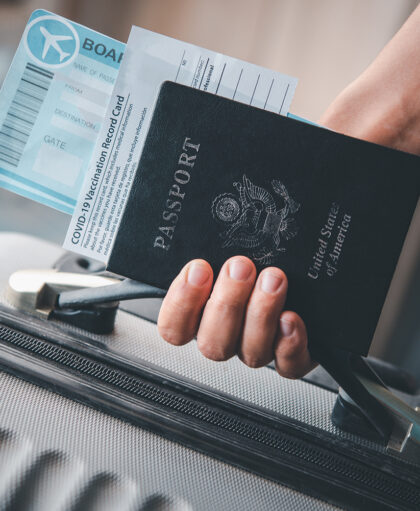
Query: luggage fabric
[59, 454]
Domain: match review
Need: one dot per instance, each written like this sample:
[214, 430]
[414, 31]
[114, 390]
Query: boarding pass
[52, 104]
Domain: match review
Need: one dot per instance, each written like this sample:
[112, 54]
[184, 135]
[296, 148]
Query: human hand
[243, 315]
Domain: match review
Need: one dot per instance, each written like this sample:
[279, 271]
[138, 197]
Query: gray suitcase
[126, 421]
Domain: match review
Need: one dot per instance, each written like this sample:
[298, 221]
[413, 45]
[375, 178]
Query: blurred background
[324, 43]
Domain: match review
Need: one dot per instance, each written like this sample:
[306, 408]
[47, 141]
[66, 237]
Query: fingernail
[270, 282]
[286, 328]
[239, 269]
[198, 274]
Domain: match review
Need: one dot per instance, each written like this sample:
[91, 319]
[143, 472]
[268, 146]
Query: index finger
[181, 309]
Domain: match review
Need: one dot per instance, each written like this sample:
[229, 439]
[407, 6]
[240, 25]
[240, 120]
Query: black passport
[219, 178]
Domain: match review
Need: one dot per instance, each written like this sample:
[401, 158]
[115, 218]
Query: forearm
[383, 104]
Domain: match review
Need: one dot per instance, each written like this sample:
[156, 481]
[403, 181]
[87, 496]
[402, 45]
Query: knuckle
[212, 351]
[226, 307]
[291, 373]
[183, 308]
[262, 311]
[292, 346]
[215, 354]
[253, 362]
[174, 337]
[180, 307]
[293, 369]
[254, 358]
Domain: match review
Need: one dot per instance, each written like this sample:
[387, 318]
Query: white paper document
[149, 60]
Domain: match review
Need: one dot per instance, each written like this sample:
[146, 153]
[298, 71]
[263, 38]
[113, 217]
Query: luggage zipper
[280, 449]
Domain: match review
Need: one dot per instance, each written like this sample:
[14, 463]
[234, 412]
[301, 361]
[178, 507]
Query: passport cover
[219, 178]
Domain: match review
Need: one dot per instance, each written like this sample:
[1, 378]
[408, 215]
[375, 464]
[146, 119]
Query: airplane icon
[52, 40]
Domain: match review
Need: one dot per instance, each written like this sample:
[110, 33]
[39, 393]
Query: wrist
[377, 114]
[383, 104]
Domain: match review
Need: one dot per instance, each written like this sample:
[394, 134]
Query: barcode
[22, 114]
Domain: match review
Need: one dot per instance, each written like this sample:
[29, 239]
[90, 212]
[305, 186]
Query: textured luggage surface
[68, 456]
[62, 454]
